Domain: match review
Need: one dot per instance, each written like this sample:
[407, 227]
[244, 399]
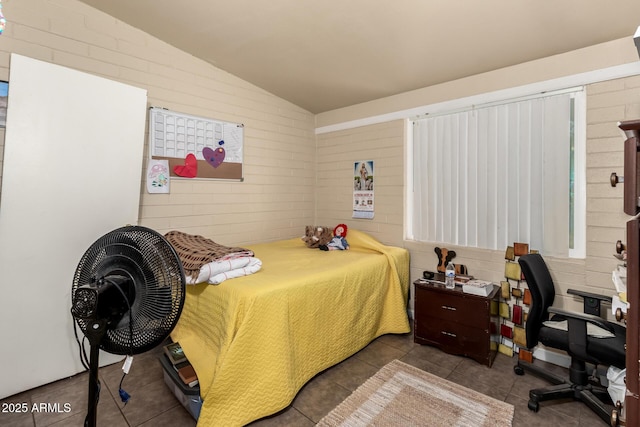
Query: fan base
[94, 333]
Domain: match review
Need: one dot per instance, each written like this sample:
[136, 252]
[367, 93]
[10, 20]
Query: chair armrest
[578, 331]
[582, 317]
[591, 302]
[589, 295]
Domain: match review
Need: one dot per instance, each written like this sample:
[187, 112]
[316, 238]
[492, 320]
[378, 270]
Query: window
[505, 172]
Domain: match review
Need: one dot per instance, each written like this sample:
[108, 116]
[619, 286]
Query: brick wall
[337, 153]
[283, 172]
[276, 198]
[607, 103]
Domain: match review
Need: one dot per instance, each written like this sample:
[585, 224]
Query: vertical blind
[491, 176]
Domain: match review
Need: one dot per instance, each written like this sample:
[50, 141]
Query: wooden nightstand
[456, 322]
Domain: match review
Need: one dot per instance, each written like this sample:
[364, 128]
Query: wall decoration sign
[196, 147]
[363, 189]
[158, 176]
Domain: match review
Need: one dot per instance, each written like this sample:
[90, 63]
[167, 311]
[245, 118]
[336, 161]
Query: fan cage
[156, 274]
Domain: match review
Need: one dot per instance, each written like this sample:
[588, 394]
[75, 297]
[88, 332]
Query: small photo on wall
[363, 176]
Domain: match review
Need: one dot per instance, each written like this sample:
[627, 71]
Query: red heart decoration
[189, 169]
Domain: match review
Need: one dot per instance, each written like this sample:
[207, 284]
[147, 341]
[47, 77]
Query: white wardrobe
[72, 171]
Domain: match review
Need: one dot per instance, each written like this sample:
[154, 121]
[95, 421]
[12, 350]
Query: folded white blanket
[217, 272]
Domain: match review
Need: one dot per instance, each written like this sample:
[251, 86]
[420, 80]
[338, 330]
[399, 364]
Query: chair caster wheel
[518, 370]
[533, 406]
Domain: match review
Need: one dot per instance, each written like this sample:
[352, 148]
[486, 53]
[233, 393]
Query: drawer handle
[448, 307]
[449, 334]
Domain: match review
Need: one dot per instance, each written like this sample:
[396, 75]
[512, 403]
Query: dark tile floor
[153, 404]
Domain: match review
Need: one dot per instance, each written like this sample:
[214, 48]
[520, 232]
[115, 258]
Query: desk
[456, 322]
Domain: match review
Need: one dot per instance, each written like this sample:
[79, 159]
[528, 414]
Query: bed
[255, 340]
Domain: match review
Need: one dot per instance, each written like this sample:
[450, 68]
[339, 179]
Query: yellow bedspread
[254, 341]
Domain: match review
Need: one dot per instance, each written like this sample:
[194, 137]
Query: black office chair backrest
[542, 291]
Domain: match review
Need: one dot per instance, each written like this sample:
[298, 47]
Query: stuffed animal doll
[315, 236]
[444, 257]
[339, 241]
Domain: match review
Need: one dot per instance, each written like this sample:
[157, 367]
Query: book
[187, 374]
[477, 287]
[175, 353]
[461, 279]
[439, 278]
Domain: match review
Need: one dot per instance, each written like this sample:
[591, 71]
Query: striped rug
[403, 395]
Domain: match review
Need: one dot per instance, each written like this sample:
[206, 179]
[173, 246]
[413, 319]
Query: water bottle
[450, 276]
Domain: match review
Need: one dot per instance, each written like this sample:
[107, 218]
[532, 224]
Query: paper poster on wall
[363, 189]
[158, 176]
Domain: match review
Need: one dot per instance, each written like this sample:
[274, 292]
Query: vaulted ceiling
[327, 54]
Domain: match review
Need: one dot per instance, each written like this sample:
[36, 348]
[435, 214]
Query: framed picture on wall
[4, 92]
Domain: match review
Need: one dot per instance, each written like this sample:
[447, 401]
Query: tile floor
[153, 404]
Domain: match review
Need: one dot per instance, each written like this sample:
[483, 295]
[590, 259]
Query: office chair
[582, 347]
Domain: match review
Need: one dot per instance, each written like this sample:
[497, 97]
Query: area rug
[403, 395]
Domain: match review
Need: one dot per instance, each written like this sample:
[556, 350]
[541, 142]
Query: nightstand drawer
[454, 307]
[452, 336]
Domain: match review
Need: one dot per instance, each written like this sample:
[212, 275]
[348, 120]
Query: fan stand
[94, 333]
[132, 264]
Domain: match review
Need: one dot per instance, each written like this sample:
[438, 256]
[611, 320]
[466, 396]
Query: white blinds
[494, 175]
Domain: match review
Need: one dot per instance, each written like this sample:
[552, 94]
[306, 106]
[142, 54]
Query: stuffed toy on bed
[339, 241]
[314, 236]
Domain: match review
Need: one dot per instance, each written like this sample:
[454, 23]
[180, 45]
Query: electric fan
[127, 295]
